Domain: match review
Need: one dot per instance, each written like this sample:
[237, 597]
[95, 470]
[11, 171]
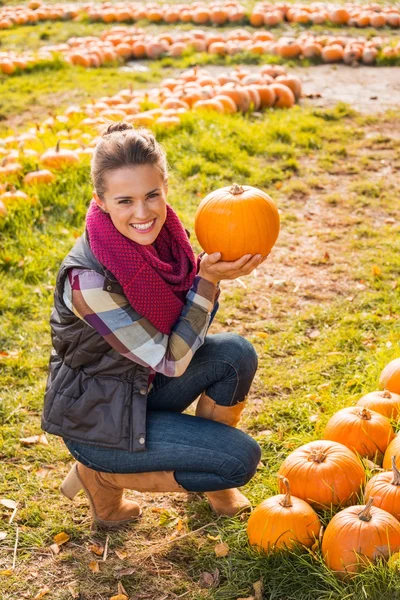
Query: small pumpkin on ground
[385, 489]
[383, 402]
[324, 474]
[390, 377]
[237, 220]
[283, 521]
[59, 157]
[364, 431]
[358, 536]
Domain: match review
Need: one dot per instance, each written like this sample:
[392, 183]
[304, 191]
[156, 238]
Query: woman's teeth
[144, 226]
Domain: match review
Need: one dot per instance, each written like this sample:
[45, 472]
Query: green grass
[301, 380]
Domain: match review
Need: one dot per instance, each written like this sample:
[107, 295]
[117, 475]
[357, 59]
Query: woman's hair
[123, 146]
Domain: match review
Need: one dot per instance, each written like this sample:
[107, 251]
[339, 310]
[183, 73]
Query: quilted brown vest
[93, 394]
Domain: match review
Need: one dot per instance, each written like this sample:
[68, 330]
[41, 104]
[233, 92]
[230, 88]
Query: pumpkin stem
[317, 456]
[396, 472]
[386, 394]
[365, 414]
[287, 500]
[236, 189]
[58, 146]
[365, 514]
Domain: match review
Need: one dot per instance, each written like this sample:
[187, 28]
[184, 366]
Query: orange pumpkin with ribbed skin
[357, 536]
[324, 474]
[292, 82]
[284, 97]
[332, 53]
[392, 450]
[390, 377]
[39, 177]
[59, 157]
[364, 431]
[283, 521]
[236, 221]
[386, 403]
[384, 488]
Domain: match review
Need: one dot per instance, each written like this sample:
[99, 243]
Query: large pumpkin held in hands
[237, 220]
[357, 536]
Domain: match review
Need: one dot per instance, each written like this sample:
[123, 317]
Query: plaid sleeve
[132, 335]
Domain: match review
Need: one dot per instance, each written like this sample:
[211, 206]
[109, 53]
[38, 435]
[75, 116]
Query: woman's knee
[242, 465]
[240, 353]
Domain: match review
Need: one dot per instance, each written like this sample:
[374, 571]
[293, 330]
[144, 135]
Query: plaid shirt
[135, 337]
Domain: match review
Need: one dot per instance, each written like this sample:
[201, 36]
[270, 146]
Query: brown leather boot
[225, 502]
[105, 492]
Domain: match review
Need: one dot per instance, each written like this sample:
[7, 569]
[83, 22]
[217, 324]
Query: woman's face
[135, 199]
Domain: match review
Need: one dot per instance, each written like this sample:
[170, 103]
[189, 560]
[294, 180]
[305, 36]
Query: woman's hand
[213, 269]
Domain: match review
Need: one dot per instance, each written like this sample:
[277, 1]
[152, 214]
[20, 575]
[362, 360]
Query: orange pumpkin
[60, 157]
[385, 403]
[358, 536]
[390, 377]
[364, 431]
[283, 521]
[237, 221]
[392, 450]
[284, 97]
[324, 474]
[385, 489]
[38, 177]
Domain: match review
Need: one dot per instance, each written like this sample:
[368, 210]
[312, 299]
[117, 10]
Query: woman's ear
[99, 202]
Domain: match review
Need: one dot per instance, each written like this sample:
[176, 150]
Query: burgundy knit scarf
[155, 279]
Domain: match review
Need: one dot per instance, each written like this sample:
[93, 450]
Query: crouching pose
[132, 308]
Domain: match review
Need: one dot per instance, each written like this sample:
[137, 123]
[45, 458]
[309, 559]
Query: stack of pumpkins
[329, 473]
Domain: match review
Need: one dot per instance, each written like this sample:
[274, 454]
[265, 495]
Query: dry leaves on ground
[42, 593]
[98, 550]
[61, 538]
[209, 580]
[35, 439]
[94, 566]
[221, 550]
[9, 503]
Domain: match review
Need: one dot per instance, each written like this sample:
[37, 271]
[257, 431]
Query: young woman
[132, 308]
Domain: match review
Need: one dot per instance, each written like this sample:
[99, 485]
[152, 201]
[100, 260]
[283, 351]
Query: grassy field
[323, 314]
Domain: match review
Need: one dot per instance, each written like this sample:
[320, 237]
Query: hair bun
[116, 127]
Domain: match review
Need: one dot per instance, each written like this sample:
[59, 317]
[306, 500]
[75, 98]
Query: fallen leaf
[278, 185]
[94, 566]
[124, 572]
[7, 572]
[376, 271]
[121, 554]
[262, 335]
[215, 538]
[98, 550]
[61, 538]
[42, 593]
[3, 535]
[258, 590]
[73, 591]
[209, 580]
[35, 439]
[55, 548]
[9, 503]
[221, 550]
[248, 598]
[121, 589]
[42, 473]
[119, 597]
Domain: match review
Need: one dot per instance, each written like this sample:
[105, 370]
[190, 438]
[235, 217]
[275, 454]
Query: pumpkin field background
[322, 312]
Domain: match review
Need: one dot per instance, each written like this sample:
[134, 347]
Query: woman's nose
[141, 211]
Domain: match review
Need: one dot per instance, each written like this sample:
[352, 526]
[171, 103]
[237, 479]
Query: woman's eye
[124, 201]
[153, 195]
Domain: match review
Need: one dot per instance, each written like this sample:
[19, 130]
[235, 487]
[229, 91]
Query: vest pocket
[102, 412]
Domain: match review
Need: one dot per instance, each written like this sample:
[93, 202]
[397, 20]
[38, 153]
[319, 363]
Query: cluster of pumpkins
[194, 89]
[34, 11]
[216, 13]
[321, 13]
[329, 473]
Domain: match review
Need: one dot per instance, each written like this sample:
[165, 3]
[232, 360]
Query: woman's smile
[144, 227]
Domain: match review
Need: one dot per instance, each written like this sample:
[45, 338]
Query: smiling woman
[131, 349]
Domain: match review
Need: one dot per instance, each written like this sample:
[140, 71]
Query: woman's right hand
[213, 269]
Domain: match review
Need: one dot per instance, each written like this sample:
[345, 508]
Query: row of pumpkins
[123, 43]
[321, 13]
[217, 13]
[328, 473]
[194, 89]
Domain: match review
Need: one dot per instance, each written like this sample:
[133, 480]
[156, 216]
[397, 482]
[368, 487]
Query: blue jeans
[205, 455]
